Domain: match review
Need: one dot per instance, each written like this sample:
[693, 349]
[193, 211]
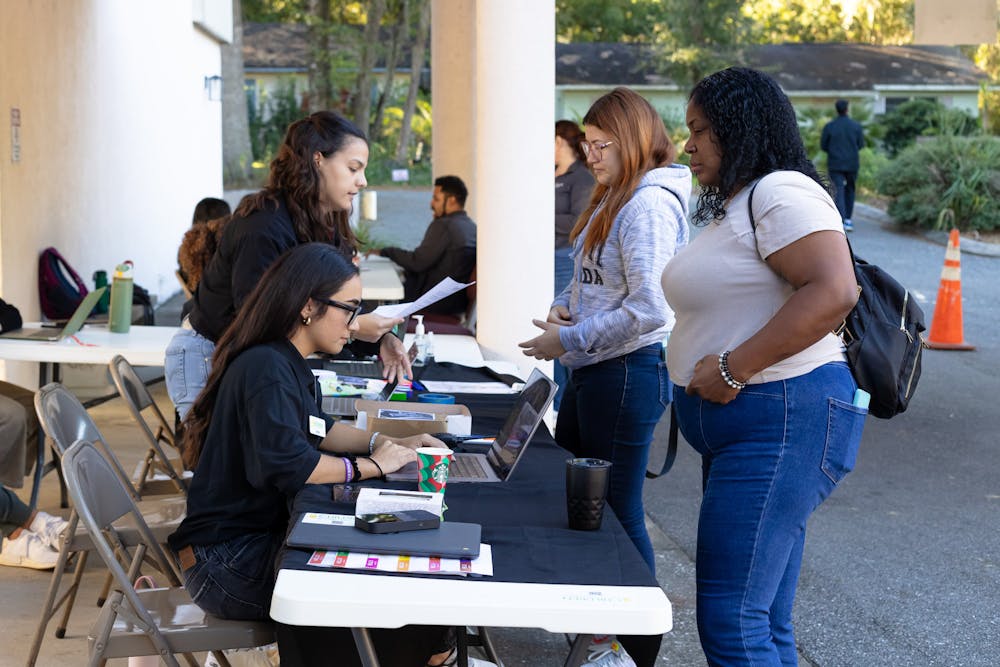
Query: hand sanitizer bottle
[420, 340]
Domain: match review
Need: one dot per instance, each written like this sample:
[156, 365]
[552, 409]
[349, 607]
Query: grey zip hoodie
[615, 300]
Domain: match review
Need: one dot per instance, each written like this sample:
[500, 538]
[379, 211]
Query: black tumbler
[587, 483]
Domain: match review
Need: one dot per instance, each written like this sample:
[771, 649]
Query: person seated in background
[200, 241]
[30, 539]
[448, 249]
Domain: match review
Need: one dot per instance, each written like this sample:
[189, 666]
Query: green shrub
[270, 119]
[957, 173]
[922, 117]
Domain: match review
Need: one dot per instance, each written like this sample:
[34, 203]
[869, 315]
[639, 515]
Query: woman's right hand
[391, 456]
[560, 315]
[372, 327]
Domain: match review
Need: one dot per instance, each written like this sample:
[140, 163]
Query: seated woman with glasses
[256, 435]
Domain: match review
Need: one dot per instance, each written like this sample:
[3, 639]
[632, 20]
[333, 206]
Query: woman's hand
[395, 360]
[371, 327]
[547, 345]
[560, 315]
[420, 440]
[707, 382]
[390, 456]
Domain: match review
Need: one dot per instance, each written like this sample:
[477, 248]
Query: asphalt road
[902, 563]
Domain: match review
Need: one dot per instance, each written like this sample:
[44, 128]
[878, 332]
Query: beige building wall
[117, 139]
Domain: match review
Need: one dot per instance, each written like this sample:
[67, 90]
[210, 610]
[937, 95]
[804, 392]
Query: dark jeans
[843, 196]
[609, 412]
[563, 275]
[771, 456]
[235, 579]
[13, 512]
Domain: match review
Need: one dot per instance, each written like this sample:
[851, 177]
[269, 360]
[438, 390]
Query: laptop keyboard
[470, 467]
[361, 369]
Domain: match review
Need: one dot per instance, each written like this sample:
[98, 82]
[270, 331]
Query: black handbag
[881, 335]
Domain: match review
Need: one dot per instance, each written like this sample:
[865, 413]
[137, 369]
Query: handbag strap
[668, 463]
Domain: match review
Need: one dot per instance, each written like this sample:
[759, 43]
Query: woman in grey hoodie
[609, 324]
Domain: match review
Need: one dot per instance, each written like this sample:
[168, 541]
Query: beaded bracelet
[348, 471]
[371, 443]
[727, 376]
[354, 468]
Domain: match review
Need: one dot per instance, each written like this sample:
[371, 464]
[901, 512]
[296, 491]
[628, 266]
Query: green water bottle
[101, 280]
[120, 317]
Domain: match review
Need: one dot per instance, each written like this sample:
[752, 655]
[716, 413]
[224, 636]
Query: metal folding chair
[65, 420]
[156, 468]
[161, 621]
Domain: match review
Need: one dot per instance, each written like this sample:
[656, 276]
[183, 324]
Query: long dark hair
[272, 312]
[755, 127]
[642, 140]
[572, 135]
[295, 178]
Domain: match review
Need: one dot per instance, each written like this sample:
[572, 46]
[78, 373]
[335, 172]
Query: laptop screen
[524, 417]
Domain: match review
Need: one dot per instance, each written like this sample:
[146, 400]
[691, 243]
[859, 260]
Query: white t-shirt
[722, 292]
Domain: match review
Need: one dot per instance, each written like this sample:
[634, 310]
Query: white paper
[328, 519]
[446, 387]
[445, 288]
[380, 501]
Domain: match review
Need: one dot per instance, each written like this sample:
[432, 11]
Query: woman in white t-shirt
[763, 391]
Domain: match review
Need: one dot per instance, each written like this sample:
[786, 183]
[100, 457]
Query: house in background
[812, 75]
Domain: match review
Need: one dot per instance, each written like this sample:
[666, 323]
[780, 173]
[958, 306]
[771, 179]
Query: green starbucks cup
[432, 463]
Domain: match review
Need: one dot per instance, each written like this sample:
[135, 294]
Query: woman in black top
[319, 169]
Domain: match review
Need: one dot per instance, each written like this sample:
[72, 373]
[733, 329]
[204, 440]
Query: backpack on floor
[60, 288]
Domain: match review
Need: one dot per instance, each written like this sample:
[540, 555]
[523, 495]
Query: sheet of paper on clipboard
[443, 289]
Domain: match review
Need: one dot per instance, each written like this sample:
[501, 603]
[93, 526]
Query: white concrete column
[453, 76]
[513, 191]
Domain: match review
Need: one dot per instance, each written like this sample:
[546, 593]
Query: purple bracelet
[348, 470]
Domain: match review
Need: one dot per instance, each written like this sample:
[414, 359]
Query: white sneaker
[28, 550]
[49, 528]
[605, 651]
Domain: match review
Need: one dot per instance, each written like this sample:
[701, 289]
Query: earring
[307, 320]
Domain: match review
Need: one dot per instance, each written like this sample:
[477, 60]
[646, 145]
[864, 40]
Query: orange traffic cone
[946, 327]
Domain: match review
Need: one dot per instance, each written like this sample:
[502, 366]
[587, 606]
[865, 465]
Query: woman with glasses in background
[319, 169]
[609, 324]
[256, 436]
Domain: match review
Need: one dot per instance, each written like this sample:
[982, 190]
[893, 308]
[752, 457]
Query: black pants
[843, 196]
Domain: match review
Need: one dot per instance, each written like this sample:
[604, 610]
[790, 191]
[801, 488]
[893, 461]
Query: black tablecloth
[523, 519]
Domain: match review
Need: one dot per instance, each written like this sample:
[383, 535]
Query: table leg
[363, 640]
[578, 652]
[462, 640]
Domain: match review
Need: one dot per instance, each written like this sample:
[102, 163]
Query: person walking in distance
[842, 140]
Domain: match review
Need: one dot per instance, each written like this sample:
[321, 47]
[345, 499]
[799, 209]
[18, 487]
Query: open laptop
[343, 406]
[369, 368]
[509, 445]
[71, 327]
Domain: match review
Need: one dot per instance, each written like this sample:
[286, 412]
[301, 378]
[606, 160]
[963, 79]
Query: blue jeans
[186, 367]
[563, 275]
[13, 512]
[235, 579]
[843, 192]
[770, 457]
[609, 412]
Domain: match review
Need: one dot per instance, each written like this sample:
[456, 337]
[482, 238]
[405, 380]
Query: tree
[420, 40]
[780, 21]
[882, 22]
[641, 21]
[362, 105]
[237, 155]
[703, 37]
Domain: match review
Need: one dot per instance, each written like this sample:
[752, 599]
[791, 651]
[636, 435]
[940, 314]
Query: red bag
[58, 295]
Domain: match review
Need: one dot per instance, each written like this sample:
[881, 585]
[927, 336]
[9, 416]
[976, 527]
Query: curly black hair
[754, 124]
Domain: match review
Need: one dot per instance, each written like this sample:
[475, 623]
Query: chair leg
[486, 643]
[104, 591]
[578, 653]
[71, 592]
[39, 470]
[51, 605]
[63, 497]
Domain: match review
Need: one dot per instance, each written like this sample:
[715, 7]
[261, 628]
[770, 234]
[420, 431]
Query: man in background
[842, 140]
[448, 249]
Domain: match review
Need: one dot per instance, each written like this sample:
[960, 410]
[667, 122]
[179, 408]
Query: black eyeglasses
[354, 310]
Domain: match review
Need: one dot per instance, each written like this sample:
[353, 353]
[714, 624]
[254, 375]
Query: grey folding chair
[156, 468]
[65, 420]
[161, 621]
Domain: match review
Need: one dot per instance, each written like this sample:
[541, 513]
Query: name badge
[317, 426]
